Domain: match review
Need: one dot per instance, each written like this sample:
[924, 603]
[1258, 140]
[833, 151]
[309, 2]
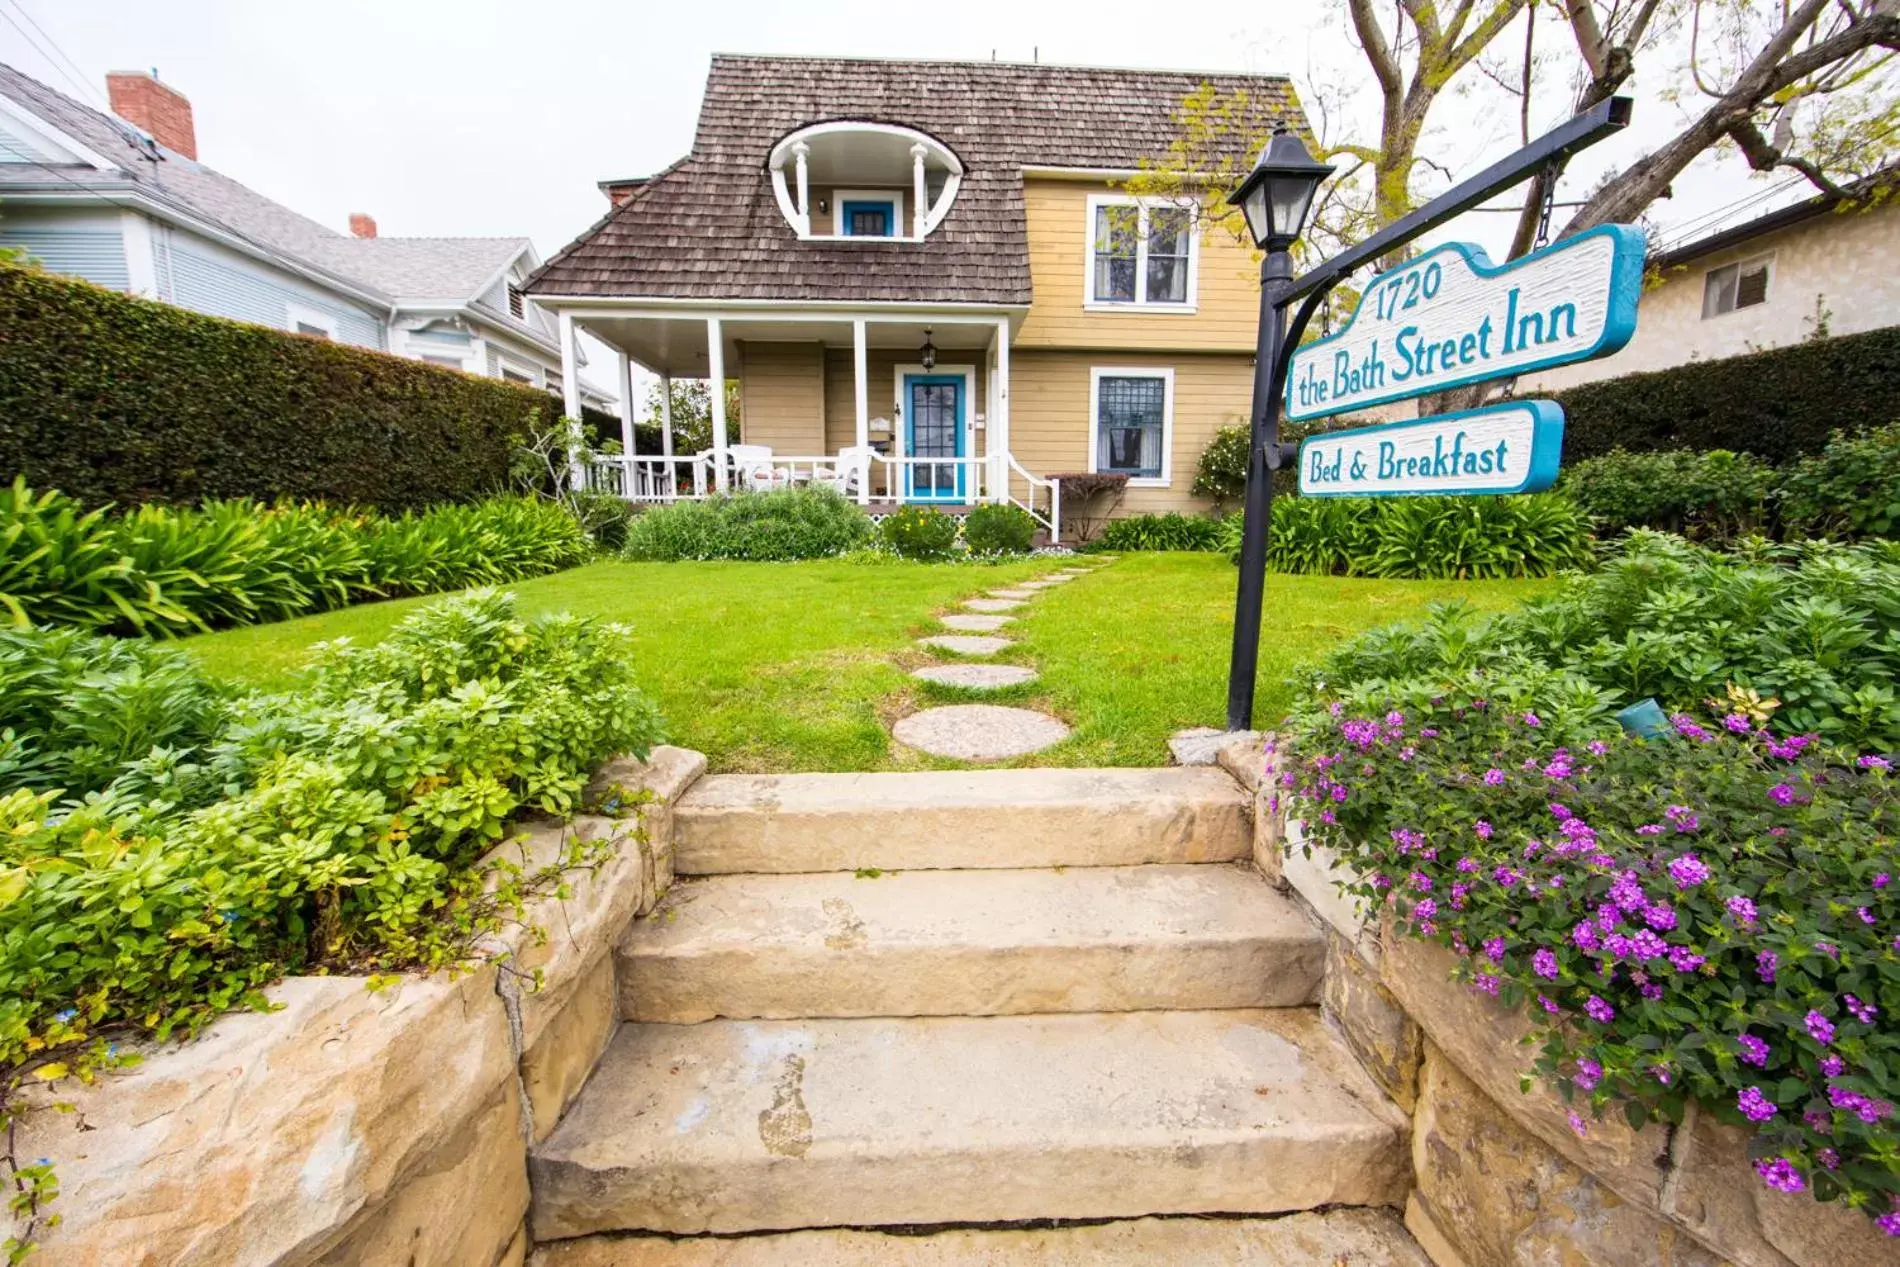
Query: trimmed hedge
[113, 399]
[1779, 404]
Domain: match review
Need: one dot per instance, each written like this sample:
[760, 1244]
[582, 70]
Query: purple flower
[1828, 1158]
[1597, 747]
[1585, 936]
[1627, 892]
[1482, 828]
[1660, 1073]
[1395, 718]
[1494, 776]
[1866, 916]
[1661, 917]
[1738, 723]
[1874, 763]
[1755, 1106]
[1682, 818]
[1863, 1012]
[1652, 991]
[1650, 829]
[1687, 728]
[1833, 1066]
[1682, 959]
[1765, 963]
[1779, 1173]
[1789, 749]
[1828, 948]
[1458, 892]
[1867, 1110]
[1688, 871]
[1754, 1050]
[1782, 793]
[1882, 880]
[1588, 1074]
[1619, 946]
[1559, 767]
[1561, 812]
[1820, 1029]
[1532, 719]
[1494, 950]
[1507, 876]
[1428, 733]
[1487, 982]
[1576, 1124]
[1548, 1004]
[1544, 963]
[1742, 909]
[1419, 881]
[1599, 1011]
[1646, 945]
[1889, 1222]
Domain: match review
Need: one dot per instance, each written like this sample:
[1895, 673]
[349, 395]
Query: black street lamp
[1275, 198]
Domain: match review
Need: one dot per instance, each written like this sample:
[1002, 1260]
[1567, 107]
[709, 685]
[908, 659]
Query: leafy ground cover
[799, 666]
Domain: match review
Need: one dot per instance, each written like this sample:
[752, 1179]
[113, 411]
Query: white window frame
[895, 197]
[1743, 265]
[297, 314]
[1140, 303]
[505, 364]
[1163, 372]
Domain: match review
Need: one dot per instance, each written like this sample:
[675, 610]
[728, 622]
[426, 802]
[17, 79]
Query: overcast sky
[484, 117]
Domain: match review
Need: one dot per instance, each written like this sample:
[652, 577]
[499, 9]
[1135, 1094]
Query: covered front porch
[888, 408]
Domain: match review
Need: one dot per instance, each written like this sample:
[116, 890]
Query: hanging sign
[1509, 448]
[1449, 318]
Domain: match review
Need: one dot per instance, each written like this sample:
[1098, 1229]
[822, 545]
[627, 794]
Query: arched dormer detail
[851, 178]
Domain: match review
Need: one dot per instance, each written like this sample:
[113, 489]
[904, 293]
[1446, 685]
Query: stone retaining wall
[1500, 1179]
[354, 1126]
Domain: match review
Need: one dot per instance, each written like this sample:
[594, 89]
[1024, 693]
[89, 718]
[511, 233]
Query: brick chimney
[362, 225]
[141, 100]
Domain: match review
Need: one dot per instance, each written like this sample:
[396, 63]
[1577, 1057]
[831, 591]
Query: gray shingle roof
[710, 227]
[392, 268]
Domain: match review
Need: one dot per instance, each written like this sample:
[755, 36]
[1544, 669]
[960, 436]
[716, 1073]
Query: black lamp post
[1275, 198]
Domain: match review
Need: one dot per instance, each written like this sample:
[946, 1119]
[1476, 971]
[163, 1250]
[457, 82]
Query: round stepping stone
[964, 622]
[966, 644]
[979, 732]
[977, 677]
[992, 604]
[1013, 593]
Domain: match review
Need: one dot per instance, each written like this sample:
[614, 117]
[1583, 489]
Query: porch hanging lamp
[927, 354]
[1278, 193]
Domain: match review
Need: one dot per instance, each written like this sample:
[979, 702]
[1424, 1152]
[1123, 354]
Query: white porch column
[571, 400]
[623, 364]
[801, 154]
[917, 207]
[862, 382]
[999, 422]
[666, 435]
[716, 372]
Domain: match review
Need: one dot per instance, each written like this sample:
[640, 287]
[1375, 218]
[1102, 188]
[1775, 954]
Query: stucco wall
[1850, 260]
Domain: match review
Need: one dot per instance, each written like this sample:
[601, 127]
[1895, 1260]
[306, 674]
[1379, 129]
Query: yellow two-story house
[929, 283]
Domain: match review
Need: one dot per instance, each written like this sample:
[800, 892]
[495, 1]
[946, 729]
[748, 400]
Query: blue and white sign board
[1449, 318]
[1509, 448]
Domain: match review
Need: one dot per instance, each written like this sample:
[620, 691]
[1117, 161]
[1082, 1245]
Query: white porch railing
[866, 479]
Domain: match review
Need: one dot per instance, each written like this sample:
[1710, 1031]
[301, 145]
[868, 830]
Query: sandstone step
[954, 819]
[1349, 1237]
[736, 1126]
[969, 943]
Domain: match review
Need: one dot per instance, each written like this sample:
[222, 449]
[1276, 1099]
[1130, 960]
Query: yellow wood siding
[782, 397]
[1049, 414]
[1226, 301]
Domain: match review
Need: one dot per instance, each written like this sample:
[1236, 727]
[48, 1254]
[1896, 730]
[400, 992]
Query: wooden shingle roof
[709, 227]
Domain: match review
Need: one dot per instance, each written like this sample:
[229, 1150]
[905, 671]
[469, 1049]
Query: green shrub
[1850, 489]
[1777, 404]
[918, 532]
[796, 523]
[163, 571]
[1221, 472]
[335, 828]
[1705, 918]
[999, 529]
[1172, 531]
[605, 518]
[1813, 628]
[1422, 538]
[1712, 496]
[123, 400]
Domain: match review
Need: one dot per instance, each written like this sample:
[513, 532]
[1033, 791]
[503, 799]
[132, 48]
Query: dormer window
[851, 180]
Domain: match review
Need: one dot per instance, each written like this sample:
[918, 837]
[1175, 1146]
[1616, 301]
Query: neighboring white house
[1766, 283]
[122, 200]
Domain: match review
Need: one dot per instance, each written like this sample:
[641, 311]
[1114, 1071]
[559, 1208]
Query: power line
[56, 57]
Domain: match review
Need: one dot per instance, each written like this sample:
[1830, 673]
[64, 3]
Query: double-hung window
[1141, 254]
[1131, 423]
[1739, 285]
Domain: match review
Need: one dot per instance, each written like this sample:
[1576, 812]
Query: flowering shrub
[1712, 915]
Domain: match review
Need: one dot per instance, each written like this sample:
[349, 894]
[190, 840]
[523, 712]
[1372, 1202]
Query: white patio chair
[850, 472]
[748, 466]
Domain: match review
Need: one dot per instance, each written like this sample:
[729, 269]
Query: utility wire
[56, 57]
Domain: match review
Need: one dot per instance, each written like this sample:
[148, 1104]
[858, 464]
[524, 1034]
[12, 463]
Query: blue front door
[933, 428]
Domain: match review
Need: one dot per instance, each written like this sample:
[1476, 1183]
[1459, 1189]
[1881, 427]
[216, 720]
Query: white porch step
[969, 943]
[1353, 1237]
[954, 819]
[737, 1126]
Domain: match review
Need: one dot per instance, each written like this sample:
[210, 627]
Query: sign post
[1446, 319]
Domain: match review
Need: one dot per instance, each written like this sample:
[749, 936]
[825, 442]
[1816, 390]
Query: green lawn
[801, 666]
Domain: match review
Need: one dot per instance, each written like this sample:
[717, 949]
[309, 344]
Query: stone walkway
[983, 732]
